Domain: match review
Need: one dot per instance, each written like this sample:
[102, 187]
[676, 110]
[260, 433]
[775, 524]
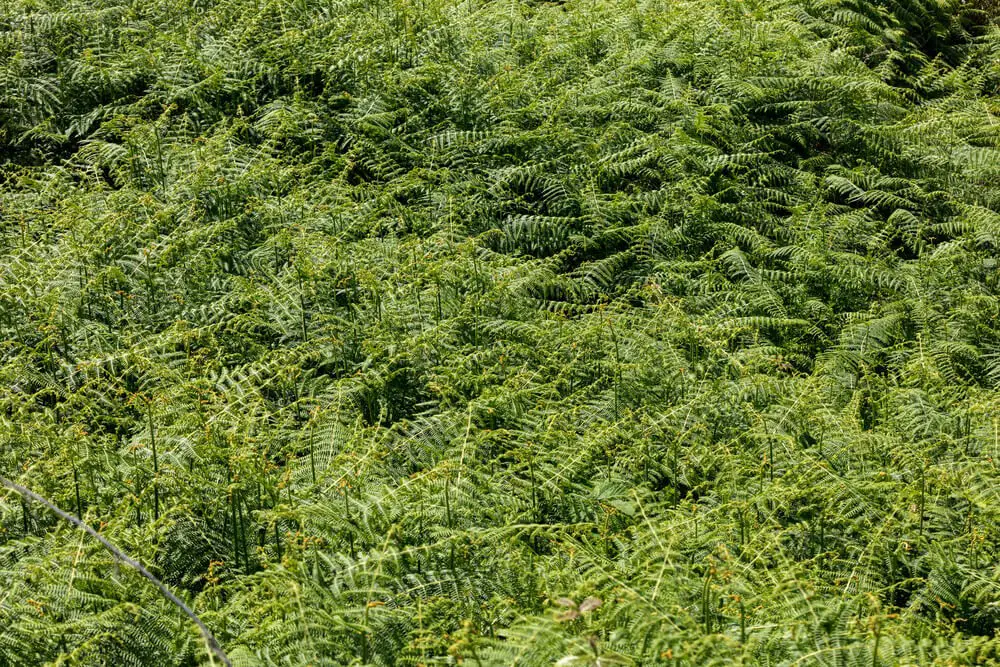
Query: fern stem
[156, 465]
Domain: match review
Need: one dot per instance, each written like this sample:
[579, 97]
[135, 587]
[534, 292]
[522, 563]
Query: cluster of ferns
[501, 332]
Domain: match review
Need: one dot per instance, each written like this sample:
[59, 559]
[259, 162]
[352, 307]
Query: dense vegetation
[414, 332]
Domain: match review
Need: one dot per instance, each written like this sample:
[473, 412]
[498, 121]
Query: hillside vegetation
[494, 332]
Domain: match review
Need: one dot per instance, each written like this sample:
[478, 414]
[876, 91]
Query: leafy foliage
[501, 331]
